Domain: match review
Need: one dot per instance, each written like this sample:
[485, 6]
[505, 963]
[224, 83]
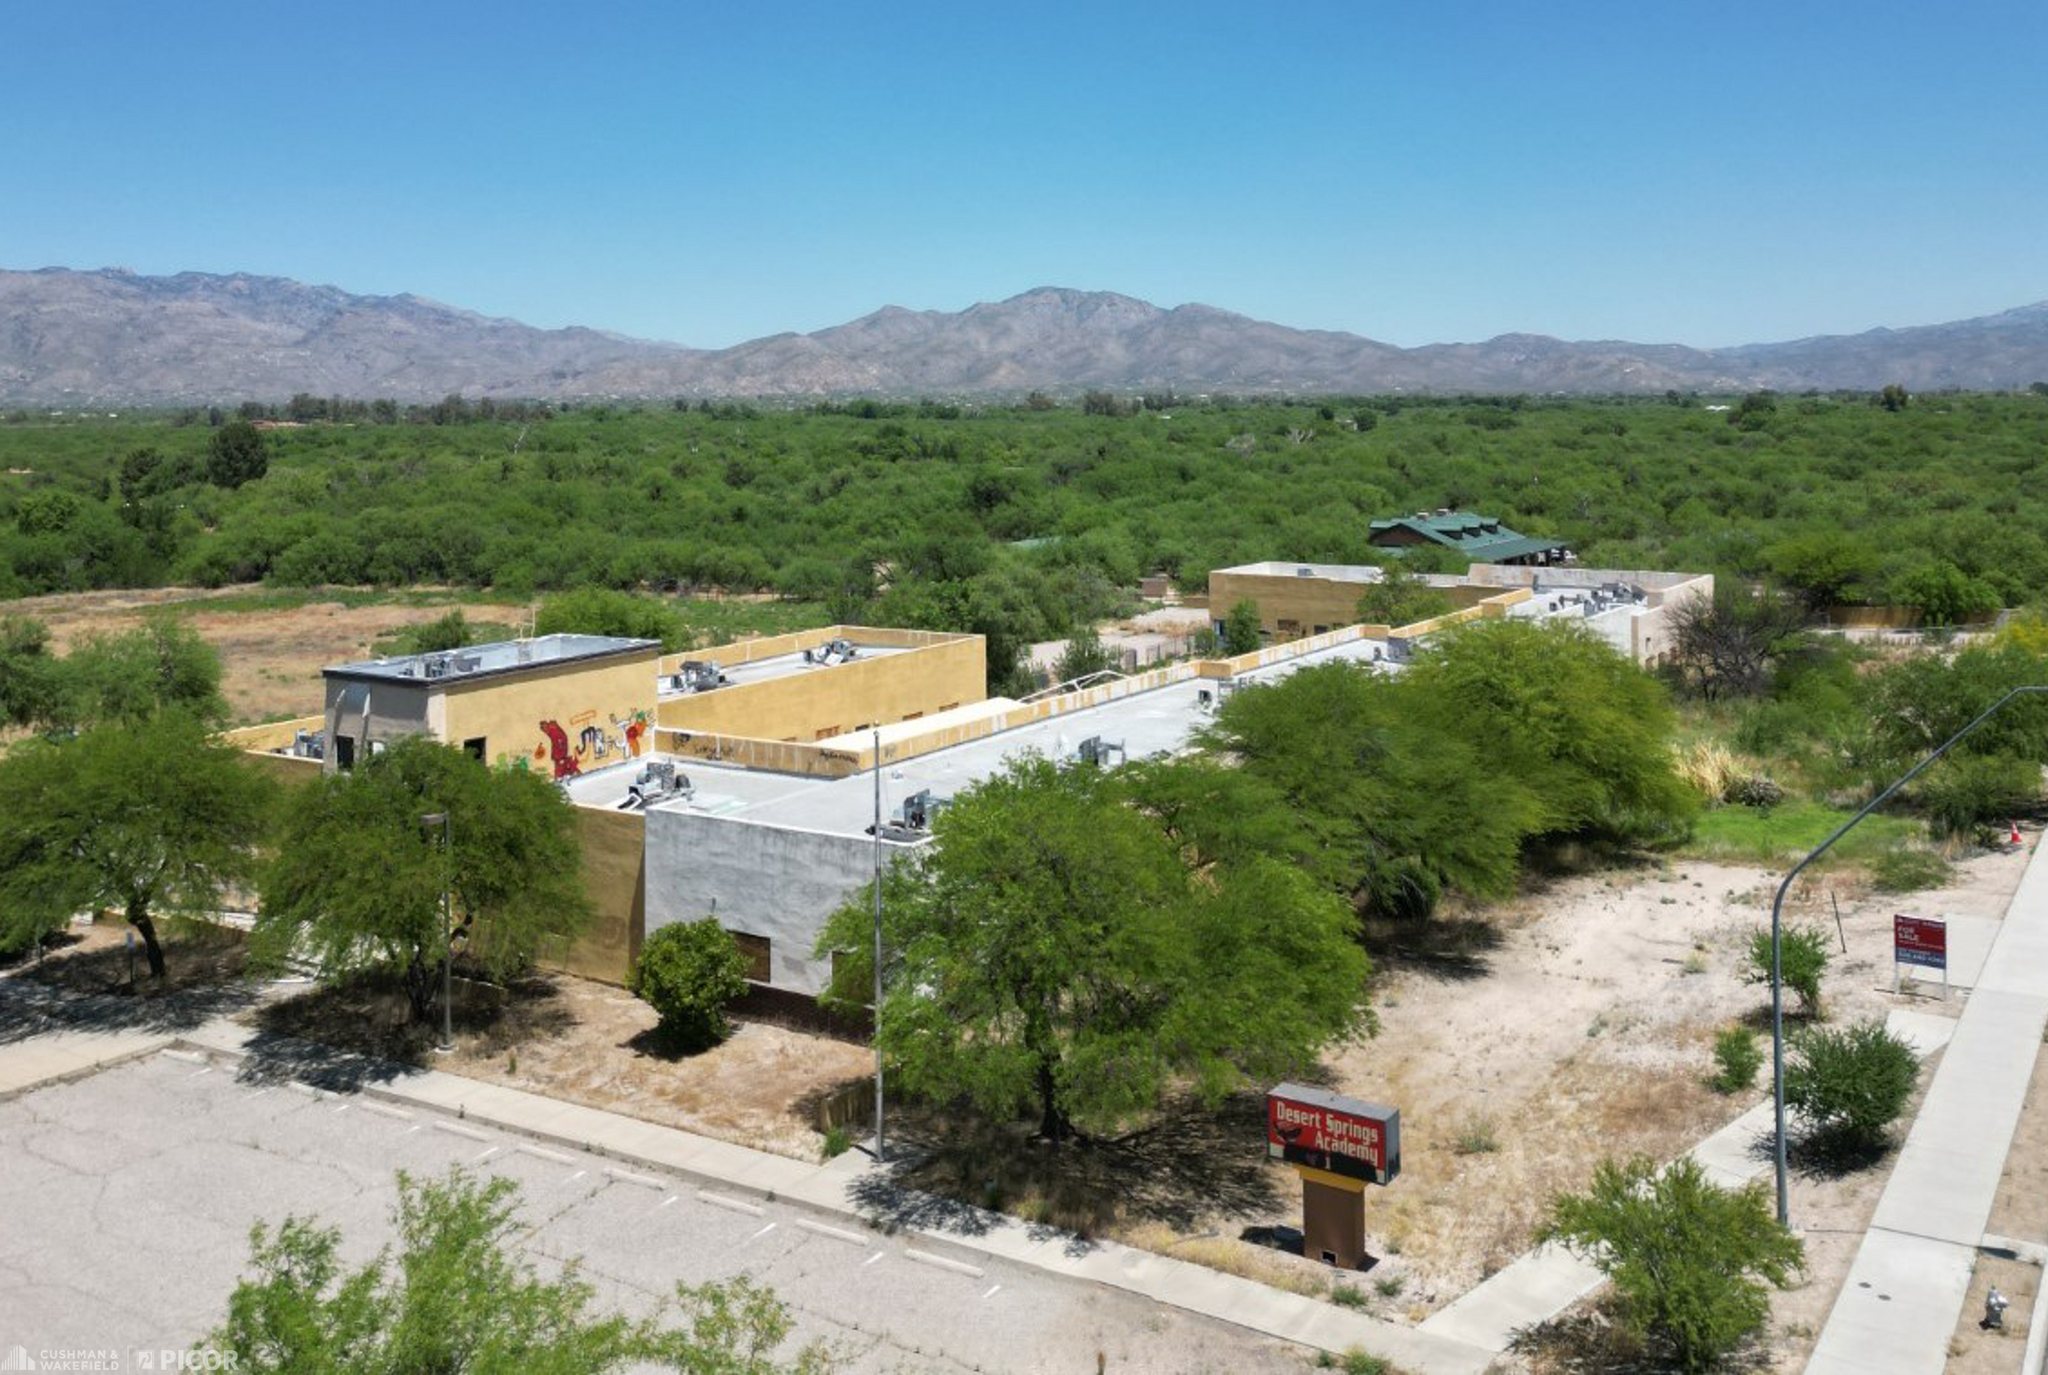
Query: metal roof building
[1481, 539]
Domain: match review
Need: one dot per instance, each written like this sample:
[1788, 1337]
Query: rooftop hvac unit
[835, 651]
[659, 781]
[1095, 750]
[699, 675]
[435, 666]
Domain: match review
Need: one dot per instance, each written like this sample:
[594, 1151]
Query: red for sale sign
[1921, 941]
[1307, 1126]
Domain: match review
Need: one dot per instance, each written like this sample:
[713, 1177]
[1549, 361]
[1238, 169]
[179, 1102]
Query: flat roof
[1328, 572]
[501, 657]
[1163, 720]
[779, 665]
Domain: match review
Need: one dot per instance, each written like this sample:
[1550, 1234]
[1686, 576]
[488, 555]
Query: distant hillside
[112, 336]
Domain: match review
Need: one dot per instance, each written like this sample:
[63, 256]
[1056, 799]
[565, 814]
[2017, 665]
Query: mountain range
[115, 337]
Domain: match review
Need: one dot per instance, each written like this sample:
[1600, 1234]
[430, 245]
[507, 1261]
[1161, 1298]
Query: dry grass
[1244, 1259]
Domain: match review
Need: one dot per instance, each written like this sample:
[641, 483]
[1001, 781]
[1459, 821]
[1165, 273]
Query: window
[829, 732]
[913, 716]
[474, 748]
[755, 948]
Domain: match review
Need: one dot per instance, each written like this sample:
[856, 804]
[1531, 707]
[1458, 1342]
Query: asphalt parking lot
[127, 1199]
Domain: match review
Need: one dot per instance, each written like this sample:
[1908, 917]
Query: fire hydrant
[1995, 1305]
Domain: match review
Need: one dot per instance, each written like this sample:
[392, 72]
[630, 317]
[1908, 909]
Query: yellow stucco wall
[614, 848]
[920, 680]
[604, 711]
[1291, 606]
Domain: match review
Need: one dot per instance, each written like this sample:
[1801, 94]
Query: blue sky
[708, 173]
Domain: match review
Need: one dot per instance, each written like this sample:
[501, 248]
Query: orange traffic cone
[2014, 838]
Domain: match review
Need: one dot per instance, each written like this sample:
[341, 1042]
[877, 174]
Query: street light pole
[881, 1148]
[1777, 931]
[441, 819]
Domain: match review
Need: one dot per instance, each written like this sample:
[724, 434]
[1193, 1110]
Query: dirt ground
[1526, 1042]
[270, 657]
[2020, 1214]
[591, 1043]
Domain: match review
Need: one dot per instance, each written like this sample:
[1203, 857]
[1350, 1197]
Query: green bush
[600, 611]
[1964, 792]
[1850, 1085]
[1754, 790]
[1688, 1261]
[687, 972]
[1804, 955]
[838, 1141]
[1908, 869]
[1737, 1058]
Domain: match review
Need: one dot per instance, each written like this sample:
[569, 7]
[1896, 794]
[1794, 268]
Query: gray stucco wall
[761, 880]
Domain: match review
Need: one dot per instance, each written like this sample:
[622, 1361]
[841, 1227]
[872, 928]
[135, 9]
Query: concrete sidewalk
[850, 1188]
[1904, 1294]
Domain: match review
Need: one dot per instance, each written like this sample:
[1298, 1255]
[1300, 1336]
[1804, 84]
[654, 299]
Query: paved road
[127, 1199]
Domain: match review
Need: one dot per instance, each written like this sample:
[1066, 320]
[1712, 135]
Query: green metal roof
[1482, 539]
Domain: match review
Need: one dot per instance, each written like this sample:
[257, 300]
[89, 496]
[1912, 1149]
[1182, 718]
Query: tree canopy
[457, 1299]
[1059, 950]
[357, 880]
[1578, 724]
[146, 819]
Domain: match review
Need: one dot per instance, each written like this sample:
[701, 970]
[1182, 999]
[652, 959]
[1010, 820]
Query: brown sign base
[1332, 1218]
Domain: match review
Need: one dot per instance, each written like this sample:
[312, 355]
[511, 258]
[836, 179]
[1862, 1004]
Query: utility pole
[1777, 932]
[441, 819]
[881, 1147]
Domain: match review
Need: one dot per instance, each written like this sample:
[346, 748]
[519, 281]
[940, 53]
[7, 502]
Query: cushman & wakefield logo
[109, 1359]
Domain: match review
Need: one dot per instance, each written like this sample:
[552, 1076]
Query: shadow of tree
[1594, 1339]
[1451, 948]
[32, 1008]
[958, 1169]
[369, 1016]
[1822, 1154]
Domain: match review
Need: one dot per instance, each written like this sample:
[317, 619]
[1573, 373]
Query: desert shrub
[1908, 869]
[1850, 1084]
[1349, 1296]
[838, 1141]
[687, 972]
[1964, 792]
[1753, 790]
[1707, 767]
[1737, 1058]
[1688, 1261]
[1477, 1136]
[1804, 956]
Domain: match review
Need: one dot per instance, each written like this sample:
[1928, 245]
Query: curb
[932, 1248]
[87, 1070]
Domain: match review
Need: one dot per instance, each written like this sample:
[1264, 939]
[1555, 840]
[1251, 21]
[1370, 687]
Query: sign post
[1921, 941]
[1337, 1145]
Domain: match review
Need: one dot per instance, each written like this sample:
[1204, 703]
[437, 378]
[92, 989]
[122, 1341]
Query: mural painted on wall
[585, 742]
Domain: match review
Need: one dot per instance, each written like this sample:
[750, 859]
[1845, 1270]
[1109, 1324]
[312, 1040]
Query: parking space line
[486, 1155]
[578, 1175]
[343, 1108]
[196, 1074]
[763, 1232]
[992, 1291]
[875, 1257]
[670, 1199]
